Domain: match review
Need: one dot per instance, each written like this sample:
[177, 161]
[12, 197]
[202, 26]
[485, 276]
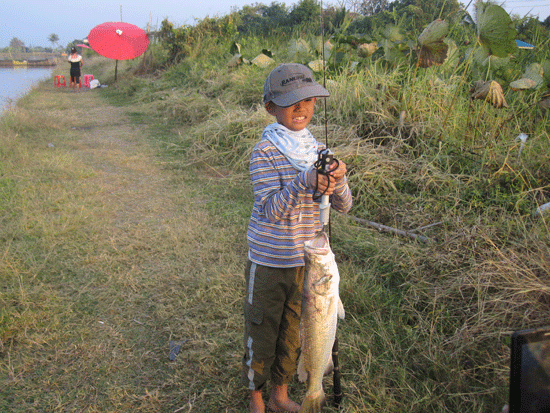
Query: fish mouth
[318, 245]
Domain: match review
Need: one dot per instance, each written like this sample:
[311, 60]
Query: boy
[284, 216]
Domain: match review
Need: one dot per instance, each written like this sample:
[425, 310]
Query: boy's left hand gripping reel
[322, 165]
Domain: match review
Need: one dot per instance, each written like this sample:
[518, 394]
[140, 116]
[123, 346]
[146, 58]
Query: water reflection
[17, 81]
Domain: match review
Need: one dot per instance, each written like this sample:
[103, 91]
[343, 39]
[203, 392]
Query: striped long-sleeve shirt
[284, 215]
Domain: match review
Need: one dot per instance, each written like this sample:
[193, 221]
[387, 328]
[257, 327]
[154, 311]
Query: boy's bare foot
[279, 401]
[281, 406]
[256, 402]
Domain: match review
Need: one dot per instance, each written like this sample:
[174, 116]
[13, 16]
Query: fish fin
[341, 311]
[302, 373]
[313, 403]
[330, 367]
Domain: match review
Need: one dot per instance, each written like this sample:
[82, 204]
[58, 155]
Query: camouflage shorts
[272, 322]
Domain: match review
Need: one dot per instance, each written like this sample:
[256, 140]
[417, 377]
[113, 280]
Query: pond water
[16, 82]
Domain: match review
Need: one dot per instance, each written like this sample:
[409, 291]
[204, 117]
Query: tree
[426, 11]
[306, 12]
[16, 43]
[277, 14]
[353, 6]
[73, 44]
[334, 18]
[53, 39]
[251, 19]
[372, 7]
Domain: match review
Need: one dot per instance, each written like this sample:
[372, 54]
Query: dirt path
[131, 256]
[124, 164]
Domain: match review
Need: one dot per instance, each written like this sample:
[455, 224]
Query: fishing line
[325, 104]
[324, 72]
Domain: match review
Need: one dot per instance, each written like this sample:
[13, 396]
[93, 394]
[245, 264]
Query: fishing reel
[322, 165]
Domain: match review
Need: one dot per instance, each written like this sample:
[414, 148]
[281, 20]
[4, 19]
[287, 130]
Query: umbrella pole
[116, 68]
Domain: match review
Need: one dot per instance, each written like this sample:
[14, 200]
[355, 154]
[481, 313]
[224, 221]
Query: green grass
[129, 231]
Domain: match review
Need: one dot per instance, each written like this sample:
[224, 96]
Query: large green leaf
[435, 32]
[478, 55]
[351, 39]
[262, 60]
[339, 55]
[323, 49]
[367, 49]
[496, 63]
[546, 70]
[535, 72]
[317, 65]
[299, 48]
[433, 51]
[523, 84]
[496, 30]
[393, 34]
[453, 54]
[432, 54]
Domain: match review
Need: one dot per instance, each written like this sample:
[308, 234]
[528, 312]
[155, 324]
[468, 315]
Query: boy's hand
[338, 170]
[327, 183]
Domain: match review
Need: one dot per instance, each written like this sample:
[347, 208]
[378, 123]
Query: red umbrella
[82, 45]
[118, 40]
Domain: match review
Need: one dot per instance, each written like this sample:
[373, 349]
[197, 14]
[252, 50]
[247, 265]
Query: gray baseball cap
[290, 83]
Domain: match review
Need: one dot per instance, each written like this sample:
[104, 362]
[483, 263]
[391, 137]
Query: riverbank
[107, 257]
[29, 59]
[29, 63]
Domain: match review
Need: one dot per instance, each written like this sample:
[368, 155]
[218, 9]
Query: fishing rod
[326, 158]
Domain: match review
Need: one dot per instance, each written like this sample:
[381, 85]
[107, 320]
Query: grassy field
[123, 214]
[107, 255]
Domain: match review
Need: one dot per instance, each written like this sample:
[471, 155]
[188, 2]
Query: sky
[33, 21]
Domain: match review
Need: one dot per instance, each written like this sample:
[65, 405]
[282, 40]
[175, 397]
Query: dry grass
[106, 257]
[112, 244]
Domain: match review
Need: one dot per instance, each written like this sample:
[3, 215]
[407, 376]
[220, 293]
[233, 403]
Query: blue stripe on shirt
[284, 215]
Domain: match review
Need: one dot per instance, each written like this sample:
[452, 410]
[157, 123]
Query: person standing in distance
[76, 62]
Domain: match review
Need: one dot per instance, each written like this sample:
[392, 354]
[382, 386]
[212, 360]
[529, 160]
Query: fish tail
[313, 403]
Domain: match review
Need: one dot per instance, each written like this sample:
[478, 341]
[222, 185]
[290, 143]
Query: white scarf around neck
[299, 147]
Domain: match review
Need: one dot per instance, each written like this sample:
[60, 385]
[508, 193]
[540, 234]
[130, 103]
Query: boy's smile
[295, 117]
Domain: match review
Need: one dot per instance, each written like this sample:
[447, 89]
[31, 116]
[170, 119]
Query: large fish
[321, 308]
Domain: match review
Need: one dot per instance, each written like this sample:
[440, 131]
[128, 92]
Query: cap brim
[291, 98]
